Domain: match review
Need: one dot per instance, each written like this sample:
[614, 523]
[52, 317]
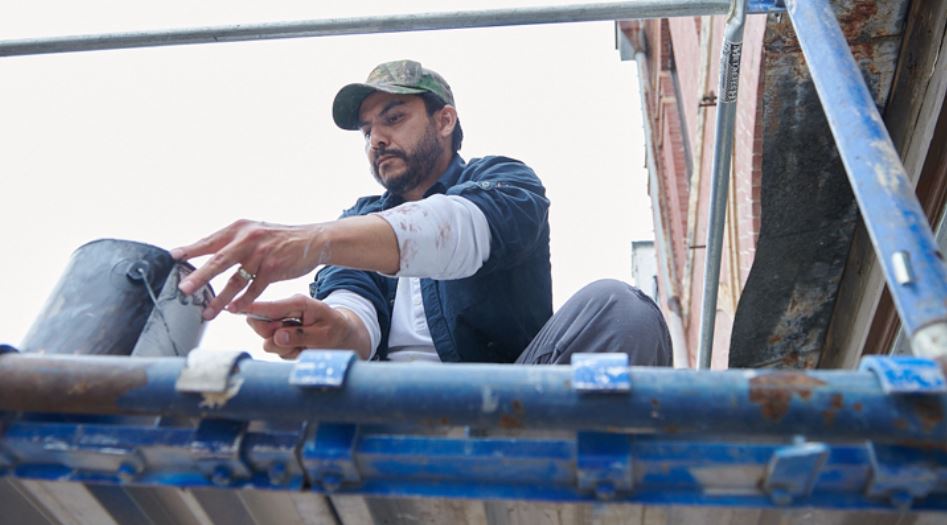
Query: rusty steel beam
[818, 404]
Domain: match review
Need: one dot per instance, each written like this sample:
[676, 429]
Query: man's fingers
[256, 288]
[236, 283]
[228, 247]
[205, 246]
[290, 337]
[273, 310]
[217, 265]
[264, 329]
[286, 353]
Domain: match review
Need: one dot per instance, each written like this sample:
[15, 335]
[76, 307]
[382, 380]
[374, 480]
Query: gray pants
[605, 316]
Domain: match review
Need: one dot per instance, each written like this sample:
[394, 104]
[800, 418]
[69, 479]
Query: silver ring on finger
[247, 276]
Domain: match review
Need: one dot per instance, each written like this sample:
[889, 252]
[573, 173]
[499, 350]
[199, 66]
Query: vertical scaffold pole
[898, 228]
[728, 86]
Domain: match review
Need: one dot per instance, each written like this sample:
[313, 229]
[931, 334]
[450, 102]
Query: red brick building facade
[682, 64]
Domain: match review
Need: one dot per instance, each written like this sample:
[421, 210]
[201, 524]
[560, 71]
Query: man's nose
[377, 140]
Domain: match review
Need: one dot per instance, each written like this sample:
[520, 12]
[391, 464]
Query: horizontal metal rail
[899, 230]
[817, 404]
[587, 466]
[867, 439]
[381, 24]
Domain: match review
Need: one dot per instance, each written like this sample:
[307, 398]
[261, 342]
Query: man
[451, 263]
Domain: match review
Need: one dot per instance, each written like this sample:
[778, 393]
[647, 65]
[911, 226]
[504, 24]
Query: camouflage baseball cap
[401, 77]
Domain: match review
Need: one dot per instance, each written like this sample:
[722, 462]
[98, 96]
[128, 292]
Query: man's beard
[418, 166]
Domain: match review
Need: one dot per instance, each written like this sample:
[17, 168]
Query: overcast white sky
[165, 145]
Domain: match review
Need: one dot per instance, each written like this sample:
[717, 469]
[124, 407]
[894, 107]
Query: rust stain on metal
[513, 420]
[791, 359]
[435, 423]
[774, 391]
[508, 421]
[854, 22]
[66, 386]
[923, 445]
[655, 408]
[836, 403]
[929, 411]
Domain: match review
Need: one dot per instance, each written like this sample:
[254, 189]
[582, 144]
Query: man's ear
[446, 120]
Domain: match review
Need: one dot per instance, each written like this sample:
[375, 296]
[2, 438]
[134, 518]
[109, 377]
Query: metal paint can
[120, 297]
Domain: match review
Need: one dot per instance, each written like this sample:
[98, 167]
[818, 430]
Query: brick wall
[674, 53]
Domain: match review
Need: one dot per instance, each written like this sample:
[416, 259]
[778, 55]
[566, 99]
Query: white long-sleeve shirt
[440, 237]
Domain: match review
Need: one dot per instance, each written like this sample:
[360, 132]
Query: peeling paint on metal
[215, 400]
[490, 401]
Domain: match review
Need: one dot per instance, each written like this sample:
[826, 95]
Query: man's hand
[267, 253]
[322, 327]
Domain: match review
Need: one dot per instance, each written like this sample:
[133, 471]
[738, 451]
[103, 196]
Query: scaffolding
[601, 431]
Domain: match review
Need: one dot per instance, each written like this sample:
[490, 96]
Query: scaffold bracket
[903, 474]
[322, 368]
[599, 373]
[208, 371]
[604, 464]
[906, 374]
[329, 456]
[793, 470]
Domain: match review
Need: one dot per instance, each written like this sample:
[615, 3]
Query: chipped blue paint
[899, 230]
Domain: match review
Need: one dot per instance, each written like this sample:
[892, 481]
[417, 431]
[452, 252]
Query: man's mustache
[388, 153]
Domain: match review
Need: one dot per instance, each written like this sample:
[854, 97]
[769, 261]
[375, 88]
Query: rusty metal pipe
[828, 405]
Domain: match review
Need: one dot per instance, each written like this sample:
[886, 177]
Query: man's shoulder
[493, 161]
[494, 165]
[364, 205]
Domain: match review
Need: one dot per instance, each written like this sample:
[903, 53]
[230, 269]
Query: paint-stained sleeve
[441, 237]
[513, 200]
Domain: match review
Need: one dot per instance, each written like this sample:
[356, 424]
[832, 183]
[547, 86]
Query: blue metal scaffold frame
[872, 438]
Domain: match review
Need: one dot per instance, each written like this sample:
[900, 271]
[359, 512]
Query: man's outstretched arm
[275, 252]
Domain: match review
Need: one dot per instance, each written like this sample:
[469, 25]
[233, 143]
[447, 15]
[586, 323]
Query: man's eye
[366, 132]
[393, 118]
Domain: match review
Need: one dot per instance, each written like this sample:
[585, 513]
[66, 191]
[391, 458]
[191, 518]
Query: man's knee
[633, 322]
[605, 291]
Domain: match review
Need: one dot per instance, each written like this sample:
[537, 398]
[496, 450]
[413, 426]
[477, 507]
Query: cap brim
[349, 100]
